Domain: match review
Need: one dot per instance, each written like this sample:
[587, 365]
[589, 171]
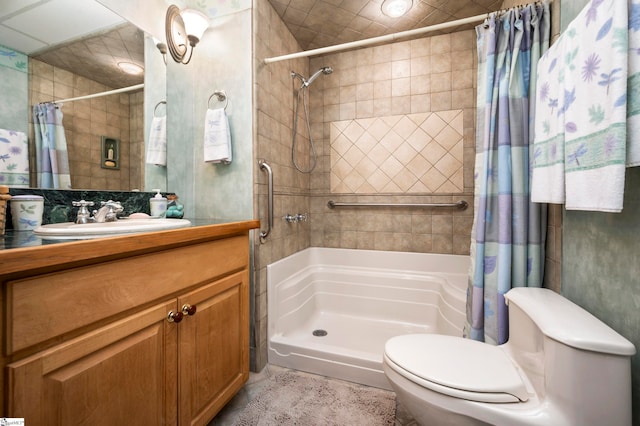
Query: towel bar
[222, 97]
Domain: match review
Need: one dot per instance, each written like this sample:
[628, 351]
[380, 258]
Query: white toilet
[561, 366]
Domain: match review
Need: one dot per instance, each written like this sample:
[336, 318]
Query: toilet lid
[459, 367]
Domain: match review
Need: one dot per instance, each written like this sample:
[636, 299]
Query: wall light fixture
[162, 47]
[183, 31]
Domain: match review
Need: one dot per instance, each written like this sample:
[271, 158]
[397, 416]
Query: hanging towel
[633, 87]
[157, 151]
[547, 184]
[217, 138]
[14, 159]
[595, 107]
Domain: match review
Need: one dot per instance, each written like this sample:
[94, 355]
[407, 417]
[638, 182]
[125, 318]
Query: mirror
[70, 60]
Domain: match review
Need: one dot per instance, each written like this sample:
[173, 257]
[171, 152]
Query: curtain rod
[389, 37]
[379, 39]
[97, 95]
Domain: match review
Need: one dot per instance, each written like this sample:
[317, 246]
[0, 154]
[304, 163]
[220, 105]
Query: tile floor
[254, 385]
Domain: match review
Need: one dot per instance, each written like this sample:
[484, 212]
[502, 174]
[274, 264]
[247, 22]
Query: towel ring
[221, 95]
[156, 107]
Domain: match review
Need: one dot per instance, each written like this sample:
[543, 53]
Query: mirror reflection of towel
[14, 159]
[217, 137]
[157, 151]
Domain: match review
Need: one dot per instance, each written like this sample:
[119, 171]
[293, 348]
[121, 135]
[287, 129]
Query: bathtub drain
[319, 333]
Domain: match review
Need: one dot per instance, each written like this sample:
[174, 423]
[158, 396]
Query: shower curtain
[52, 160]
[508, 234]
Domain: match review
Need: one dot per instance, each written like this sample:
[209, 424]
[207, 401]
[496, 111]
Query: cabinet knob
[174, 317]
[188, 309]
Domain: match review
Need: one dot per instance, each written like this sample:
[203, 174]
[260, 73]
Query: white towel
[14, 159]
[633, 86]
[547, 185]
[217, 138]
[157, 150]
[594, 105]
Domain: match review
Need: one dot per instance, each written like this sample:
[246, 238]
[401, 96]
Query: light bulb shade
[131, 68]
[195, 23]
[396, 8]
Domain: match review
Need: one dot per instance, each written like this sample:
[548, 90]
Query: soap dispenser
[158, 204]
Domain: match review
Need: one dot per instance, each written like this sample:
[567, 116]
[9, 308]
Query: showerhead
[323, 70]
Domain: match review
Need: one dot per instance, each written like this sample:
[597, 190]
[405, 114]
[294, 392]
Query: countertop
[22, 251]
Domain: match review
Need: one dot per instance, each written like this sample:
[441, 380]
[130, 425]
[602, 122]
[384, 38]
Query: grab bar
[460, 205]
[264, 166]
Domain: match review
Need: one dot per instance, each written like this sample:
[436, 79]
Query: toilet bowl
[561, 366]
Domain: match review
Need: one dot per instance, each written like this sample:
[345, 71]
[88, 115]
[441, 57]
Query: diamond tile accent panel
[403, 154]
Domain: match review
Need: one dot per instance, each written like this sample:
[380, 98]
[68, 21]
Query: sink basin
[72, 230]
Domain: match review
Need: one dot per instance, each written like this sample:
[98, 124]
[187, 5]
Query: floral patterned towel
[633, 86]
[14, 159]
[548, 171]
[589, 109]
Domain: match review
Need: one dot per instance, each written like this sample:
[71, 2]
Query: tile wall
[404, 80]
[86, 121]
[399, 154]
[274, 96]
[136, 141]
[430, 75]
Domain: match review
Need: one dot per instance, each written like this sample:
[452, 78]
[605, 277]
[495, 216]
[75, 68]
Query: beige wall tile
[378, 99]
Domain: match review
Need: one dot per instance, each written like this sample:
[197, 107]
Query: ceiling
[81, 36]
[29, 26]
[320, 23]
[97, 57]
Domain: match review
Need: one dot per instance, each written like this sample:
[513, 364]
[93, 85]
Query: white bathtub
[361, 298]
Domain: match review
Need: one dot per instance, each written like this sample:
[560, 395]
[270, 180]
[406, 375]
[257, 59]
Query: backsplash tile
[58, 203]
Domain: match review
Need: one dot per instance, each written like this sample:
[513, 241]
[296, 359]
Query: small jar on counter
[174, 208]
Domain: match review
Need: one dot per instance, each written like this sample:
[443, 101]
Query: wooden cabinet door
[213, 348]
[123, 373]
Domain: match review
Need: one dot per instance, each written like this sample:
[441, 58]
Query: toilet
[561, 366]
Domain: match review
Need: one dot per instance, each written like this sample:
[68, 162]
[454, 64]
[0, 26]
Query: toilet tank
[574, 361]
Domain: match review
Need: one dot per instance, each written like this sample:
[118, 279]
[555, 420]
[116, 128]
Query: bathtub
[330, 311]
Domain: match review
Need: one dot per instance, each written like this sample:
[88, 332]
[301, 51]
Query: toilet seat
[461, 368]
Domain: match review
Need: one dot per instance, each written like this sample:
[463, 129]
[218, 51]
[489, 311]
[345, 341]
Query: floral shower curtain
[508, 234]
[52, 160]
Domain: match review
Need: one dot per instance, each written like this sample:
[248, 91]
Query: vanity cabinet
[121, 373]
[156, 334]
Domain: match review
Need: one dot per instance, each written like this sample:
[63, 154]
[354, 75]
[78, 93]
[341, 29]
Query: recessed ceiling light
[396, 8]
[130, 68]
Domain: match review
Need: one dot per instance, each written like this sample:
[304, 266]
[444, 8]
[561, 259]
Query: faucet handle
[83, 212]
[82, 203]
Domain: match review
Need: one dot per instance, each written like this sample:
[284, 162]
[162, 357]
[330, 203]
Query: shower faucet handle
[300, 217]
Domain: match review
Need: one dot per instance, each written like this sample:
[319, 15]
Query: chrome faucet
[108, 211]
[83, 213]
[300, 217]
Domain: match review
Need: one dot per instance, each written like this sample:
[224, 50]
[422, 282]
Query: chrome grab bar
[460, 205]
[264, 166]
